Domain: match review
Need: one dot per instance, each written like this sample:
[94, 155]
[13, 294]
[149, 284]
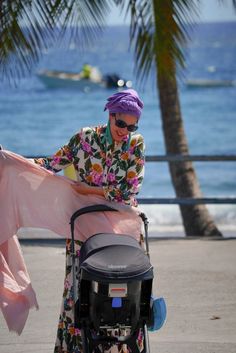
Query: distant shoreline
[195, 23]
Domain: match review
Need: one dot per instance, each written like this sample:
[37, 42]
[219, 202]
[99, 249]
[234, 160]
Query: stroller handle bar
[105, 208]
[84, 210]
[89, 209]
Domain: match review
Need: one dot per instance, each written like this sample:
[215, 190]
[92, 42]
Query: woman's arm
[64, 157]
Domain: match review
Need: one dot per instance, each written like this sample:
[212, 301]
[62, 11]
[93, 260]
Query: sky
[210, 11]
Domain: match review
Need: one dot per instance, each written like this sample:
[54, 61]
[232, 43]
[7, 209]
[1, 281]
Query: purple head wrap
[126, 101]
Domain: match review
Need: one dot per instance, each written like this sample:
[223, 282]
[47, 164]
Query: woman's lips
[120, 134]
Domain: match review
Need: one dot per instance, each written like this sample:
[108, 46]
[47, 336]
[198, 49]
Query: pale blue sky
[211, 11]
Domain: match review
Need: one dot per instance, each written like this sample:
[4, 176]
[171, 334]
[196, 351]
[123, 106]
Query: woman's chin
[119, 138]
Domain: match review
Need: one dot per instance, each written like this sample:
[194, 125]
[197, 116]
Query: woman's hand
[84, 189]
[81, 188]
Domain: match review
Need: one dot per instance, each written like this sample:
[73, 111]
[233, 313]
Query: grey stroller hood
[115, 257]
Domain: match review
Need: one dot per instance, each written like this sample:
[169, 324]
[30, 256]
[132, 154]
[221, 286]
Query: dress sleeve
[64, 157]
[126, 188]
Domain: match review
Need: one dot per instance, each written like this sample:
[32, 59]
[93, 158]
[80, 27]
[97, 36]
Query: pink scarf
[31, 196]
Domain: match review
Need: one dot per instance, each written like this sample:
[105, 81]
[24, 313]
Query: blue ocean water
[36, 120]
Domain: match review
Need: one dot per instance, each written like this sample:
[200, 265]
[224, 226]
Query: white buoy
[120, 83]
[129, 84]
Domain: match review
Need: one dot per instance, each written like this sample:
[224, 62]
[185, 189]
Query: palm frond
[141, 34]
[233, 3]
[159, 31]
[29, 27]
[84, 20]
[25, 30]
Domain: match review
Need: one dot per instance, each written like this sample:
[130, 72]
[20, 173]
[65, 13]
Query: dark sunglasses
[122, 124]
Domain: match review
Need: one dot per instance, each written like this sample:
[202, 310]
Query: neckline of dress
[109, 141]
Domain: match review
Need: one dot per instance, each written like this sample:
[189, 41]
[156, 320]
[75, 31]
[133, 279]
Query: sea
[37, 120]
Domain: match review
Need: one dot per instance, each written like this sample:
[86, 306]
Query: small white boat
[209, 83]
[61, 79]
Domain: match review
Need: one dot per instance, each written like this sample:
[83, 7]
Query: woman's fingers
[80, 188]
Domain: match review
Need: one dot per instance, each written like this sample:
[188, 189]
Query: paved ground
[196, 277]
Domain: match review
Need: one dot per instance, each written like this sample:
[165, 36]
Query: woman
[109, 162]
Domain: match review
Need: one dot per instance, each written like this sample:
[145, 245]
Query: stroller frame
[91, 340]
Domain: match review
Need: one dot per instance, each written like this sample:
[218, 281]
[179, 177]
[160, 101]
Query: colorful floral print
[68, 338]
[117, 167]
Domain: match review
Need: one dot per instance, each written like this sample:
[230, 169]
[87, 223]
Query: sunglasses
[122, 124]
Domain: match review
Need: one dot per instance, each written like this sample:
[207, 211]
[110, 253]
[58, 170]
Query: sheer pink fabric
[31, 196]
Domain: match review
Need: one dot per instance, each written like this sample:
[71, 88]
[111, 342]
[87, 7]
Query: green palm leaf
[224, 1]
[160, 39]
[22, 37]
[29, 27]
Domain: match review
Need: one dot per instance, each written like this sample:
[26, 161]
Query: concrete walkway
[197, 277]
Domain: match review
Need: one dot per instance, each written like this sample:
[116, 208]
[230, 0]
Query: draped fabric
[31, 196]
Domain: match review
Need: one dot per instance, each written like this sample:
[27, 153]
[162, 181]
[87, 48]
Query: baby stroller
[114, 288]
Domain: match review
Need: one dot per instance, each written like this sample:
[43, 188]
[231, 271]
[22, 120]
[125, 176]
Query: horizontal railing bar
[187, 201]
[183, 201]
[180, 158]
[196, 158]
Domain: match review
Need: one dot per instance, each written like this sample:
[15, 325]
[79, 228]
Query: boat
[209, 83]
[63, 79]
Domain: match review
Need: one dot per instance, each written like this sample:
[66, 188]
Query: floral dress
[119, 169]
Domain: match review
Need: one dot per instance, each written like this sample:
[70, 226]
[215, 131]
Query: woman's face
[119, 133]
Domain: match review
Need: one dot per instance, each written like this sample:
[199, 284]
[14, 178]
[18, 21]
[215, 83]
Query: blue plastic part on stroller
[159, 313]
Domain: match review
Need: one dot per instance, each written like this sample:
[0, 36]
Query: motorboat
[63, 79]
[201, 83]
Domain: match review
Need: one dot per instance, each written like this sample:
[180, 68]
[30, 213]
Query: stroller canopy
[114, 256]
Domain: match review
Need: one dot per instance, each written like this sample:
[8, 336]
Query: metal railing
[185, 201]
[189, 201]
[196, 158]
